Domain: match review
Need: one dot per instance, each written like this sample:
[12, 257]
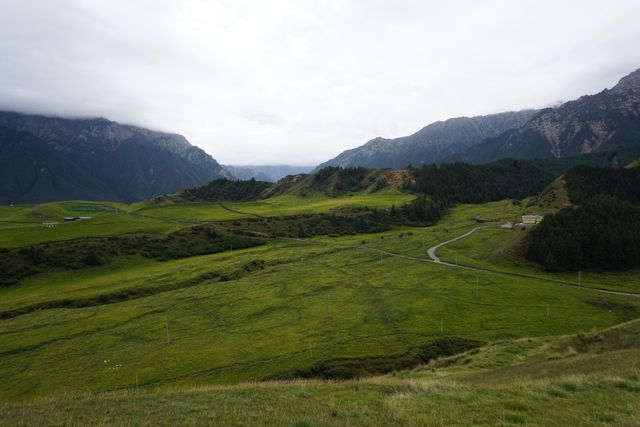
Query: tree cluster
[422, 210]
[603, 232]
[465, 183]
[16, 264]
[226, 189]
[584, 182]
[336, 180]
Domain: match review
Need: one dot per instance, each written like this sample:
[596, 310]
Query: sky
[297, 82]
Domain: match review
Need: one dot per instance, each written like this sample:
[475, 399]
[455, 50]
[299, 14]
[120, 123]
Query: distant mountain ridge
[50, 158]
[269, 173]
[591, 123]
[434, 143]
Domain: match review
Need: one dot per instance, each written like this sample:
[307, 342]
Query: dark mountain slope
[45, 158]
[589, 124]
[31, 172]
[432, 144]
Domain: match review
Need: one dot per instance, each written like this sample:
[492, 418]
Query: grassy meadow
[593, 378]
[175, 338]
[21, 225]
[288, 204]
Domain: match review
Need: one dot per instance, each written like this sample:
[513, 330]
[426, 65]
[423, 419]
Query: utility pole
[579, 278]
[166, 325]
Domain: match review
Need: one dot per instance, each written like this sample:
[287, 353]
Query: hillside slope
[432, 144]
[586, 379]
[46, 158]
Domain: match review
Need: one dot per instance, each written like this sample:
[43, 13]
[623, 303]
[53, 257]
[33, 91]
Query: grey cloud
[298, 81]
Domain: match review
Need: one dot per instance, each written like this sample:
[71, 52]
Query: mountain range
[434, 143]
[49, 158]
[600, 122]
[589, 124]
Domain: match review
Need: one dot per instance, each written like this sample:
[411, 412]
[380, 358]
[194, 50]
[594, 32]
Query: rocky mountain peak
[630, 82]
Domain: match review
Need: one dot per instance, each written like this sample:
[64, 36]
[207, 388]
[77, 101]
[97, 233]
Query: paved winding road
[434, 258]
[432, 250]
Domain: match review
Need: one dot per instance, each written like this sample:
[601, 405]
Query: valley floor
[183, 341]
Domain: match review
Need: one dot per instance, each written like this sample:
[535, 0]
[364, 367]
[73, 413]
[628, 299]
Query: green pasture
[265, 312]
[338, 301]
[280, 205]
[539, 381]
[21, 225]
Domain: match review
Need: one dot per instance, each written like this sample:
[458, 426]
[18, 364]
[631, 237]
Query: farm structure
[532, 219]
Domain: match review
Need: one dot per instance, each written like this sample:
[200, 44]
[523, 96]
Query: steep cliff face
[432, 144]
[591, 123]
[46, 158]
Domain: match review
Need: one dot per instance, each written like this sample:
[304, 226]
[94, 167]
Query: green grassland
[288, 204]
[592, 379]
[184, 331]
[21, 225]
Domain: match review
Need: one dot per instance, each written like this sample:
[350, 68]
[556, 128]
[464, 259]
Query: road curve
[434, 259]
[432, 250]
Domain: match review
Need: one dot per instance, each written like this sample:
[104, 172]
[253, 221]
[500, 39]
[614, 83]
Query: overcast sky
[297, 82]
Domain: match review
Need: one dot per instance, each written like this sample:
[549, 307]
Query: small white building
[507, 225]
[531, 219]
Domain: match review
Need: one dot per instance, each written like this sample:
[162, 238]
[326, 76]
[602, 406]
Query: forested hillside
[601, 231]
[224, 189]
[464, 183]
[335, 181]
[584, 182]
